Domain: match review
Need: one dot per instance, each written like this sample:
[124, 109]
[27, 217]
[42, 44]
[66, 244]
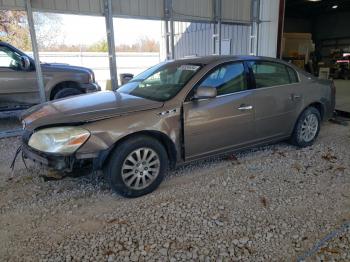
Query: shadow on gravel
[86, 178]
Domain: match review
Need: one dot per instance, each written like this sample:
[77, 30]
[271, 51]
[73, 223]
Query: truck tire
[66, 92]
[137, 166]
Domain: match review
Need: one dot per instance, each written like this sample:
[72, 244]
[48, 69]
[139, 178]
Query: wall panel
[236, 10]
[268, 29]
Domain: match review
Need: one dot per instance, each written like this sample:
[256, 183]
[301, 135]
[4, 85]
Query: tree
[48, 30]
[143, 45]
[100, 46]
[14, 29]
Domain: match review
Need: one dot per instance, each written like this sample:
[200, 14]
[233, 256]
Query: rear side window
[227, 79]
[292, 75]
[269, 74]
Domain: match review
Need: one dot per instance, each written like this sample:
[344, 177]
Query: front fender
[106, 133]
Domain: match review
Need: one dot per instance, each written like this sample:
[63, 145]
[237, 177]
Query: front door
[222, 123]
[17, 87]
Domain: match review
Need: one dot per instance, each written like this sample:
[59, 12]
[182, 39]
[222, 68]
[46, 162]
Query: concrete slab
[342, 95]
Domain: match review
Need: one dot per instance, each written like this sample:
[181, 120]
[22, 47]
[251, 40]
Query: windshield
[161, 82]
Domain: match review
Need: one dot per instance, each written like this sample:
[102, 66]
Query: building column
[254, 32]
[169, 29]
[38, 71]
[111, 43]
[219, 26]
[217, 33]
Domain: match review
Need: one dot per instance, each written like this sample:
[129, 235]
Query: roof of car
[217, 58]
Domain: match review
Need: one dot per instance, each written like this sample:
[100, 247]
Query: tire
[119, 163]
[66, 92]
[307, 128]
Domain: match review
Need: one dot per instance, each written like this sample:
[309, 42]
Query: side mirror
[204, 92]
[25, 63]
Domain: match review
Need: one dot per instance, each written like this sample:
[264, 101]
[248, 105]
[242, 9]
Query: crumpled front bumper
[61, 163]
[65, 163]
[58, 162]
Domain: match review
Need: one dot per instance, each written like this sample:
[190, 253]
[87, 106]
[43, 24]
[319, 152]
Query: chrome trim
[230, 94]
[245, 107]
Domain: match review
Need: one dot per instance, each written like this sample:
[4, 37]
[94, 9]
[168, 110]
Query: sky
[89, 29]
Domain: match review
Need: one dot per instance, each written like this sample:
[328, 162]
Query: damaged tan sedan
[176, 112]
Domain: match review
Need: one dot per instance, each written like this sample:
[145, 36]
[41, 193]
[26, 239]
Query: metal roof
[233, 11]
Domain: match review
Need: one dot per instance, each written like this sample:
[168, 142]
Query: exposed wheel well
[62, 85]
[162, 138]
[319, 107]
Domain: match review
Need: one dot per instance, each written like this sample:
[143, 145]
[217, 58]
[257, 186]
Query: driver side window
[8, 58]
[227, 79]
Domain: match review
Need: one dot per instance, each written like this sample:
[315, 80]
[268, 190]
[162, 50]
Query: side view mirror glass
[25, 63]
[204, 92]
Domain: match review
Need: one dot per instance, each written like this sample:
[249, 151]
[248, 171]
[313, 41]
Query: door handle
[295, 97]
[245, 107]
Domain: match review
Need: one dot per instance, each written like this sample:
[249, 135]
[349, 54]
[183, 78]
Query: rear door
[227, 121]
[17, 87]
[277, 97]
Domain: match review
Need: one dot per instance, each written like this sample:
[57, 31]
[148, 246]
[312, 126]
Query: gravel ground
[9, 123]
[270, 204]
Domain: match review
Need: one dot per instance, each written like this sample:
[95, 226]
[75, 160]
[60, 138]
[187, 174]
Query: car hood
[58, 67]
[85, 108]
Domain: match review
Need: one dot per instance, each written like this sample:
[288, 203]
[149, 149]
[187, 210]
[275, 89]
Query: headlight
[62, 140]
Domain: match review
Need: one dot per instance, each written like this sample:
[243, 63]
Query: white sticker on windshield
[189, 67]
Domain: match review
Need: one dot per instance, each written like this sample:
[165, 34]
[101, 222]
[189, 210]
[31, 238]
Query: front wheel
[307, 128]
[137, 166]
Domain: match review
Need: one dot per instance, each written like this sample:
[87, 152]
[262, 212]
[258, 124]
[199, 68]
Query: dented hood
[85, 108]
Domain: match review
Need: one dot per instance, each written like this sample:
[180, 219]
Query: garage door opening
[316, 37]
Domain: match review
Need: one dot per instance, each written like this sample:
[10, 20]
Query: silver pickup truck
[18, 84]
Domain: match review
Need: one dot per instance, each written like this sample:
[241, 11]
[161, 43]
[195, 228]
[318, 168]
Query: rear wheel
[66, 92]
[307, 128]
[137, 166]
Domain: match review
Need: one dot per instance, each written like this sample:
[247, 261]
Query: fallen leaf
[340, 168]
[281, 154]
[108, 253]
[297, 166]
[263, 201]
[330, 250]
[117, 221]
[329, 157]
[233, 158]
[147, 248]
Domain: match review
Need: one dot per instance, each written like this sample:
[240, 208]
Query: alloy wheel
[140, 168]
[309, 128]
